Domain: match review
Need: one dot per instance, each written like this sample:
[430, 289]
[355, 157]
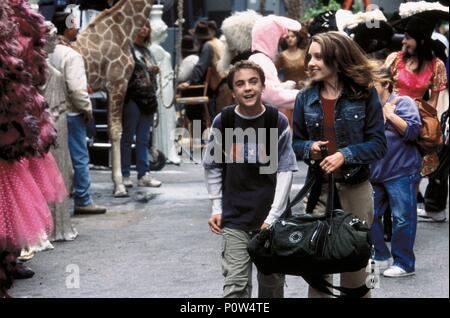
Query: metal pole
[179, 23]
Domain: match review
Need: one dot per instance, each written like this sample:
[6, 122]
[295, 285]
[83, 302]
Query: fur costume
[26, 127]
[29, 177]
[237, 36]
[266, 35]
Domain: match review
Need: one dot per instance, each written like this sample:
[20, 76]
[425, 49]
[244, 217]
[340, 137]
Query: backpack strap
[227, 121]
[227, 117]
[271, 117]
[270, 121]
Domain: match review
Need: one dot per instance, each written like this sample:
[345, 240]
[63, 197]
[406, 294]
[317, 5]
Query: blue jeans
[79, 154]
[135, 124]
[400, 195]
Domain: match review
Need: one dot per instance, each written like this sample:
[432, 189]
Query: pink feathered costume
[266, 34]
[29, 177]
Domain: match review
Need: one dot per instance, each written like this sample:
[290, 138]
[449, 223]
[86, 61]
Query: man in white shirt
[70, 63]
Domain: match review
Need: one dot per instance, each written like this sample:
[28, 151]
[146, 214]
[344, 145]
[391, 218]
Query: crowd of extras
[367, 87]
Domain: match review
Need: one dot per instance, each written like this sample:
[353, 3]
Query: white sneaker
[147, 181]
[380, 265]
[433, 216]
[127, 182]
[395, 271]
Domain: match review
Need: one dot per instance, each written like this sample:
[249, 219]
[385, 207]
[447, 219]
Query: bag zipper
[284, 223]
[316, 232]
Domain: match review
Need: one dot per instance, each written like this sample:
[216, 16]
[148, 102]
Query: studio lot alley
[157, 244]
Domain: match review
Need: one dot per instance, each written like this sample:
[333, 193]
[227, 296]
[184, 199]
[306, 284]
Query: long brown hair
[423, 52]
[148, 38]
[355, 70]
[302, 40]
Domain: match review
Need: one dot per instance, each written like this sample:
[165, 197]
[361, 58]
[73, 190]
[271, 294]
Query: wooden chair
[196, 96]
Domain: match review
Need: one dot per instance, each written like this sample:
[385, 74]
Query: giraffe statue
[105, 47]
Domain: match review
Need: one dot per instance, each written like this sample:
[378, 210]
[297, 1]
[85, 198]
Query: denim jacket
[359, 128]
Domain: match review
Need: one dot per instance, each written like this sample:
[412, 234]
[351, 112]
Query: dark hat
[421, 25]
[203, 31]
[63, 21]
[188, 46]
[372, 38]
[323, 22]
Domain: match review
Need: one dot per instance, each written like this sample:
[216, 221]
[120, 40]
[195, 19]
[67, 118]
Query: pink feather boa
[26, 127]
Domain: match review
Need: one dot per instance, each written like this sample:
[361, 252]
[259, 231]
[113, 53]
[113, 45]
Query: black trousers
[437, 190]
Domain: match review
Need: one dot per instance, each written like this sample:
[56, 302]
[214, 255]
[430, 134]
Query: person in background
[71, 65]
[436, 193]
[266, 34]
[140, 106]
[211, 50]
[189, 53]
[291, 62]
[29, 175]
[416, 70]
[340, 110]
[394, 179]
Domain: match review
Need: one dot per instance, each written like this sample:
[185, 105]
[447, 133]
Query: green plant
[313, 12]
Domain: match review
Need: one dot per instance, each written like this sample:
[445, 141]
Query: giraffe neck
[105, 43]
[127, 15]
[140, 10]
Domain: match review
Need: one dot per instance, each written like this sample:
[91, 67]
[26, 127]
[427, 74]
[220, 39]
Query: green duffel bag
[311, 247]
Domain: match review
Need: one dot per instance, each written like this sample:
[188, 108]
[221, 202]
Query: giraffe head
[124, 20]
[139, 10]
[105, 43]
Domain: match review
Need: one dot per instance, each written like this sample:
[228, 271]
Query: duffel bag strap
[309, 183]
[330, 200]
[322, 285]
[313, 184]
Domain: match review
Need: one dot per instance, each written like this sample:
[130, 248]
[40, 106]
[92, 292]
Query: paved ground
[157, 244]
